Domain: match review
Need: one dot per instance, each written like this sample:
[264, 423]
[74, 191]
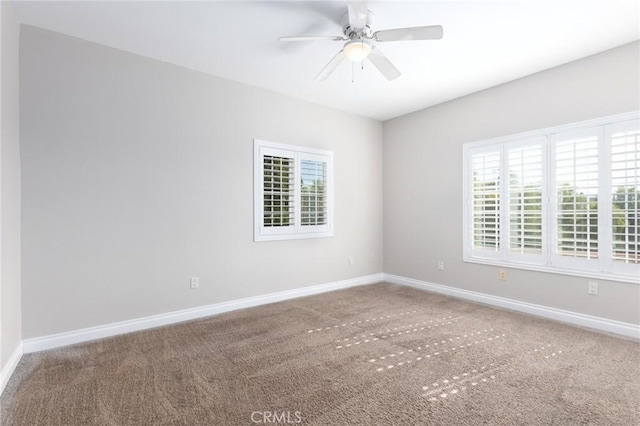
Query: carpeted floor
[374, 355]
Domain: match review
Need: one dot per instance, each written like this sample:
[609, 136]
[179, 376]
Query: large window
[293, 192]
[563, 199]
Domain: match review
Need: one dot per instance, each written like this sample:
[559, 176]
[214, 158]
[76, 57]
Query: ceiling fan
[361, 41]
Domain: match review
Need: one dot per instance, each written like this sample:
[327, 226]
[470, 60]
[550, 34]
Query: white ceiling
[485, 43]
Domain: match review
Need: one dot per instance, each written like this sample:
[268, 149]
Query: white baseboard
[87, 334]
[108, 330]
[10, 367]
[597, 323]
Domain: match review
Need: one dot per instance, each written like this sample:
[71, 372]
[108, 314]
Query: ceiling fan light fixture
[361, 40]
[357, 50]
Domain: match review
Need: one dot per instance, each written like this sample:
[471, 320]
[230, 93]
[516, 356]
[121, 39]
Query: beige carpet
[374, 355]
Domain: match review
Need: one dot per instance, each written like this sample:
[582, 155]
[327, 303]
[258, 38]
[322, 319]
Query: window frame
[546, 261]
[298, 154]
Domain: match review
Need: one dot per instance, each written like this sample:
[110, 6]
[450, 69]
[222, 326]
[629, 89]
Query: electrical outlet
[194, 282]
[502, 274]
[351, 261]
[592, 289]
[440, 265]
[372, 258]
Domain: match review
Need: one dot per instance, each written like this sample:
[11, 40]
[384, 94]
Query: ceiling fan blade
[312, 38]
[383, 65]
[357, 14]
[433, 32]
[331, 66]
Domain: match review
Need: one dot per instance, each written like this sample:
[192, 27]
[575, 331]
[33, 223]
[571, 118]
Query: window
[625, 192]
[525, 162]
[486, 202]
[293, 192]
[563, 199]
[576, 191]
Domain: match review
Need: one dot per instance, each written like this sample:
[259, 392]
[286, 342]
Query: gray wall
[138, 174]
[423, 178]
[10, 191]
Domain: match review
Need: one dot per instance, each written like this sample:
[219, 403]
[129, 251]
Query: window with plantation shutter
[485, 169]
[576, 183]
[292, 191]
[313, 192]
[563, 199]
[625, 191]
[525, 165]
[278, 191]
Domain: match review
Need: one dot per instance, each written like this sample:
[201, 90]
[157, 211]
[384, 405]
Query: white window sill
[278, 237]
[549, 269]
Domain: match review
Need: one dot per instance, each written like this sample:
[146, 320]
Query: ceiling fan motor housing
[358, 33]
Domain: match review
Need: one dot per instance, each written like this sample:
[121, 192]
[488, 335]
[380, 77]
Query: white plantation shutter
[485, 202]
[625, 191]
[293, 192]
[313, 177]
[564, 199]
[278, 190]
[576, 190]
[525, 168]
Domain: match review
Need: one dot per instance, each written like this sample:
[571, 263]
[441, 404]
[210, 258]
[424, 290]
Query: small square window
[293, 191]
